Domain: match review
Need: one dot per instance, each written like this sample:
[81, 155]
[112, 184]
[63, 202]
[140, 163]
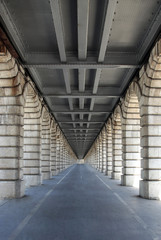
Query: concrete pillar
[45, 147]
[131, 141]
[11, 127]
[61, 152]
[100, 152]
[104, 150]
[117, 147]
[53, 149]
[32, 139]
[97, 152]
[109, 149]
[66, 156]
[150, 78]
[57, 150]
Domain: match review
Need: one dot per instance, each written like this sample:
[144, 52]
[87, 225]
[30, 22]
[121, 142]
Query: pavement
[80, 204]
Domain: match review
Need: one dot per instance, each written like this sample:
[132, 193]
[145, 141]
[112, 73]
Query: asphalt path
[80, 204]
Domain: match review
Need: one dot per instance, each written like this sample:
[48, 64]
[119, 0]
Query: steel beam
[107, 28]
[82, 65]
[81, 122]
[82, 95]
[82, 18]
[81, 112]
[56, 15]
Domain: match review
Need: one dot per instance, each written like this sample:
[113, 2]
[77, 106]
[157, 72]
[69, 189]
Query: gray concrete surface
[80, 204]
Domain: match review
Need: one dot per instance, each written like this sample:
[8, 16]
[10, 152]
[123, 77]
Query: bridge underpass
[80, 81]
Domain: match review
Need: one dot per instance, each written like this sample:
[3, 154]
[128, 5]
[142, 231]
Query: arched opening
[45, 146]
[116, 146]
[131, 142]
[32, 139]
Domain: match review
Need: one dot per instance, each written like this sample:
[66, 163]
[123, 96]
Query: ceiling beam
[110, 11]
[82, 18]
[81, 122]
[82, 95]
[67, 80]
[104, 40]
[81, 112]
[78, 129]
[82, 65]
[56, 15]
[116, 58]
[80, 134]
[81, 140]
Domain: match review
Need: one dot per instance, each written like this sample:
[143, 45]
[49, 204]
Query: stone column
[104, 150]
[117, 149]
[109, 150]
[11, 127]
[45, 147]
[97, 152]
[100, 153]
[150, 79]
[131, 141]
[53, 148]
[32, 139]
[66, 154]
[57, 151]
[61, 152]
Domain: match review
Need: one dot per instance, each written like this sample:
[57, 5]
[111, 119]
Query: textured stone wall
[109, 148]
[29, 136]
[135, 130]
[116, 145]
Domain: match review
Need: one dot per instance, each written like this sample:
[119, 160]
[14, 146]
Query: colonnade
[32, 146]
[132, 134]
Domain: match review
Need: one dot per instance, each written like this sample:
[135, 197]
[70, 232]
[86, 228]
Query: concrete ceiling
[82, 55]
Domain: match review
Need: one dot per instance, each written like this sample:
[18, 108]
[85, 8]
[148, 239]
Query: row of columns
[32, 146]
[129, 146]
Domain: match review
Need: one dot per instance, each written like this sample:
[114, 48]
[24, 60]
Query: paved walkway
[80, 204]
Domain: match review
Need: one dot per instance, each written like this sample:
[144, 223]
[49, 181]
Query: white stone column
[97, 152]
[57, 150]
[53, 148]
[61, 152]
[150, 79]
[109, 149]
[32, 139]
[100, 153]
[45, 147]
[131, 141]
[117, 148]
[11, 127]
[103, 150]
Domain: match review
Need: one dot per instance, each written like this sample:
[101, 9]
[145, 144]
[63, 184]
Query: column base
[12, 189]
[130, 180]
[46, 175]
[32, 180]
[150, 189]
[108, 173]
[54, 173]
[116, 175]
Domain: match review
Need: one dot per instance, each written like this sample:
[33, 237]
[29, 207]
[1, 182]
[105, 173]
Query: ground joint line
[137, 218]
[24, 222]
[65, 176]
[104, 183]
